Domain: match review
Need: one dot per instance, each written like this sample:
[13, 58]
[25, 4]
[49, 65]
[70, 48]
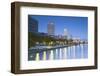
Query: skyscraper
[51, 28]
[65, 33]
[32, 24]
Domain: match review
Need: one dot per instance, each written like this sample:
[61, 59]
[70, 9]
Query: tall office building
[51, 28]
[65, 33]
[32, 24]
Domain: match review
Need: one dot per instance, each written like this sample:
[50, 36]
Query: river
[71, 52]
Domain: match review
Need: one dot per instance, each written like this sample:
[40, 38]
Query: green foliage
[37, 37]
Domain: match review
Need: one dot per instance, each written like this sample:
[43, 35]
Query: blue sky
[76, 26]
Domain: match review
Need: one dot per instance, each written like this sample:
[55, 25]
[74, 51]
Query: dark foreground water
[72, 52]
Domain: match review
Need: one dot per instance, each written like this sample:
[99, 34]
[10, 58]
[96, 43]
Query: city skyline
[49, 39]
[76, 26]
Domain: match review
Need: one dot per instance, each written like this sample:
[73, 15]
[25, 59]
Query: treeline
[37, 38]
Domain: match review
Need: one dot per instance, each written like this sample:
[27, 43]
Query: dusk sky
[76, 26]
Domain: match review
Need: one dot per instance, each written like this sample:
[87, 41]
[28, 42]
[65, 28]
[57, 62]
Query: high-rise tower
[51, 28]
[32, 25]
[65, 33]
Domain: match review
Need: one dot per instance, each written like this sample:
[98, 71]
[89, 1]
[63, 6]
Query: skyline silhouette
[76, 26]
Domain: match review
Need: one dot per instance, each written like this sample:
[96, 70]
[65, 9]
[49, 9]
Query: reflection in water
[72, 52]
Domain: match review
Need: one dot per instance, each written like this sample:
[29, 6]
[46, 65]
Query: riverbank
[46, 48]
